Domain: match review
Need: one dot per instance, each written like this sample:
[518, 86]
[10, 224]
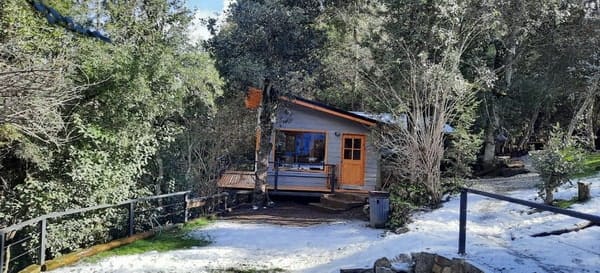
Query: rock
[403, 258]
[401, 230]
[357, 270]
[381, 269]
[382, 262]
[469, 268]
[423, 262]
[402, 267]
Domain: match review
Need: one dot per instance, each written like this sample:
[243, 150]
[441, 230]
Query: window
[300, 150]
[352, 148]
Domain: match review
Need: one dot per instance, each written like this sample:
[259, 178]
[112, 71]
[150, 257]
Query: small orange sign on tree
[253, 98]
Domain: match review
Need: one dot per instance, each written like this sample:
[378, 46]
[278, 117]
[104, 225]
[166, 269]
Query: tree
[350, 27]
[515, 29]
[271, 45]
[419, 81]
[114, 108]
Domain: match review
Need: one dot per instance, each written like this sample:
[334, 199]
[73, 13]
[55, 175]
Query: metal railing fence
[26, 243]
[462, 234]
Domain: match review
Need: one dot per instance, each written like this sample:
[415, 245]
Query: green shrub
[561, 158]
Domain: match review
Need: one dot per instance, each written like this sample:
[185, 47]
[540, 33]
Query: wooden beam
[328, 111]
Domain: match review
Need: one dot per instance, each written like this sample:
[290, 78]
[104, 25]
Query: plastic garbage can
[379, 208]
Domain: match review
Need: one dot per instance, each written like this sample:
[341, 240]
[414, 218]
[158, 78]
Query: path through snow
[498, 240]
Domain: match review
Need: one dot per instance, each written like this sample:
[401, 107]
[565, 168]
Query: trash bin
[379, 208]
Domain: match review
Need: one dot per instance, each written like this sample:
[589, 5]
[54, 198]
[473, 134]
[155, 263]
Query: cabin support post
[462, 233]
[131, 218]
[332, 177]
[42, 250]
[276, 175]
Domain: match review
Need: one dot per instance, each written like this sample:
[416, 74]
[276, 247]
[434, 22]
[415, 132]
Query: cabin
[317, 149]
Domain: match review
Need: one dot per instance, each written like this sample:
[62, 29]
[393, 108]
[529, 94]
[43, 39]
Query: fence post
[131, 218]
[225, 197]
[2, 252]
[462, 233]
[42, 253]
[186, 199]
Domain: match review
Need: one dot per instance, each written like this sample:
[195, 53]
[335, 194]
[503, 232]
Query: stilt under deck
[244, 180]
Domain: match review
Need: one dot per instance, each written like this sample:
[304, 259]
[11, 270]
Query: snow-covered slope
[498, 240]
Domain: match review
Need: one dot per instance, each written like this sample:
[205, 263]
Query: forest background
[85, 122]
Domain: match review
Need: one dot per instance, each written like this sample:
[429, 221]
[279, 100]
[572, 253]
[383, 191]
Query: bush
[561, 158]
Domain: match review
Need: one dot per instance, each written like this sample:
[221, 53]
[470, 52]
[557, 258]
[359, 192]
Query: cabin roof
[328, 109]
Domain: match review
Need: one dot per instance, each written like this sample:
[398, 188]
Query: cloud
[198, 30]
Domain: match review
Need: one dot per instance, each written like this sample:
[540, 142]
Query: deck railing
[462, 234]
[330, 172]
[31, 236]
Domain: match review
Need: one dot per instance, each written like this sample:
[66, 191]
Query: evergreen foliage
[561, 158]
[87, 121]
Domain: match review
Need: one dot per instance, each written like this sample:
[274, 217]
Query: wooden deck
[244, 180]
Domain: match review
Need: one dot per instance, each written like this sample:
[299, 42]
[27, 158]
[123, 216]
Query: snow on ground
[498, 240]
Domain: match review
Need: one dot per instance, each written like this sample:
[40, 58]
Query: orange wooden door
[353, 160]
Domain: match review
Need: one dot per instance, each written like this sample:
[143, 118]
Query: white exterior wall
[301, 118]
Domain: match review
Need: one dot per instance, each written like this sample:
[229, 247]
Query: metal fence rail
[462, 234]
[178, 203]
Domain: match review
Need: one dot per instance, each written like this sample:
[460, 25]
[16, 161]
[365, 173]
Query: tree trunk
[159, 176]
[549, 195]
[489, 149]
[588, 102]
[589, 126]
[530, 127]
[267, 114]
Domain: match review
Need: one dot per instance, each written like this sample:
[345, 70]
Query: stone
[357, 270]
[401, 230]
[442, 261]
[382, 262]
[458, 265]
[402, 267]
[469, 268]
[436, 269]
[381, 269]
[423, 262]
[447, 270]
[403, 258]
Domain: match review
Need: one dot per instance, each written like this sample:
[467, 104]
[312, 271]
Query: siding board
[302, 118]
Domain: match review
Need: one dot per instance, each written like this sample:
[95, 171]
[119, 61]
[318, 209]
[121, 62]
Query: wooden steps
[339, 202]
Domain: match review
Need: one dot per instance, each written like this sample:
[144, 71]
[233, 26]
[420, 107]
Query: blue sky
[207, 5]
[204, 9]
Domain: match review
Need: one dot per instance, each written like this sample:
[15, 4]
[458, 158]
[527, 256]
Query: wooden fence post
[2, 252]
[131, 218]
[583, 191]
[42, 254]
[462, 232]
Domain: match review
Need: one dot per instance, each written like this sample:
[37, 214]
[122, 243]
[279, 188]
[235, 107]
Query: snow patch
[498, 240]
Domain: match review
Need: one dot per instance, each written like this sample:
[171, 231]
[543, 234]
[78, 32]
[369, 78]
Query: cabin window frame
[299, 166]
